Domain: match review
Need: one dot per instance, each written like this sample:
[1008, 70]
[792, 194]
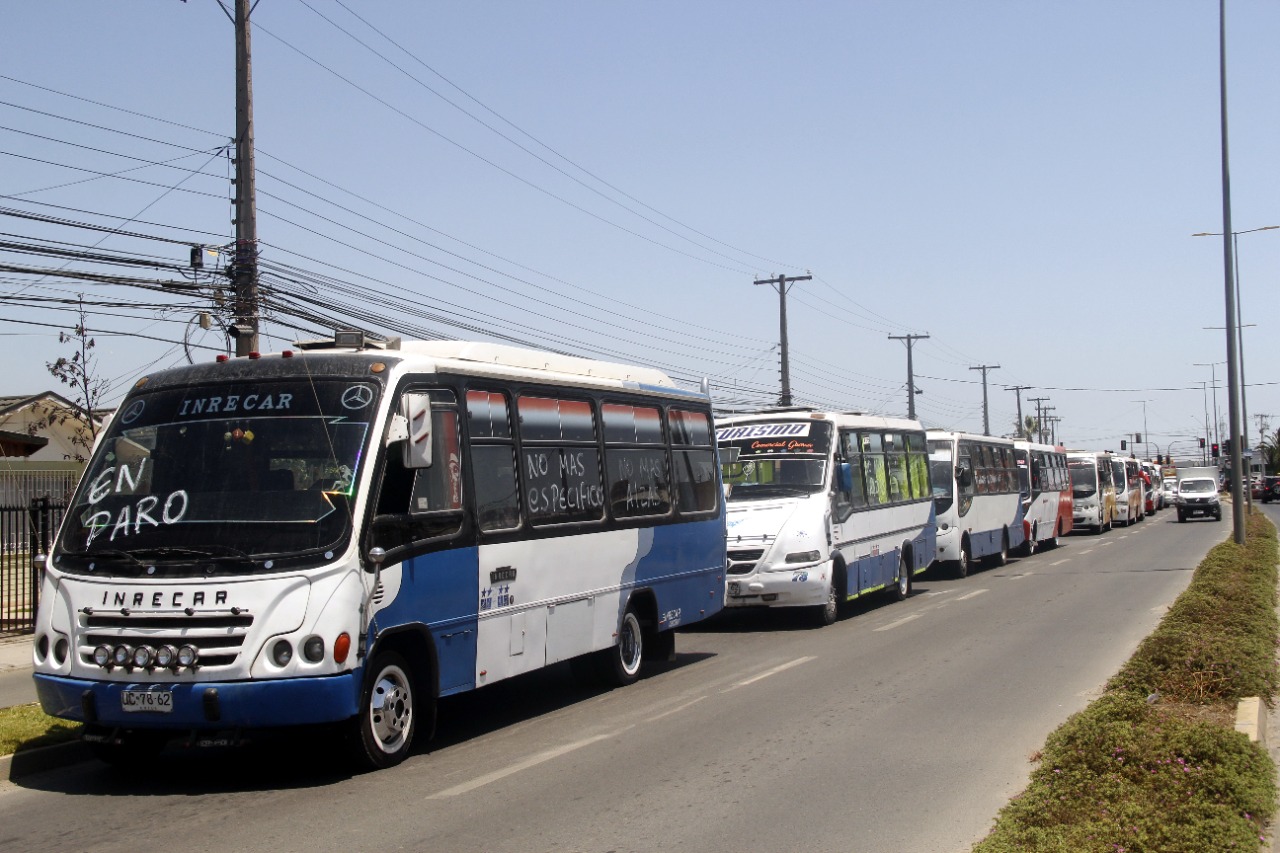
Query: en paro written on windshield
[257, 468]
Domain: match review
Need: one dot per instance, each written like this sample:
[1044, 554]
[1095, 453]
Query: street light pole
[1213, 374]
[1244, 406]
[1146, 439]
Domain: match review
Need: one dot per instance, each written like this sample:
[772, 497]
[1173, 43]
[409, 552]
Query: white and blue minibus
[975, 488]
[346, 534]
[824, 507]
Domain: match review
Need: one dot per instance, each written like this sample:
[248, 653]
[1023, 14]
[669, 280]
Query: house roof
[12, 403]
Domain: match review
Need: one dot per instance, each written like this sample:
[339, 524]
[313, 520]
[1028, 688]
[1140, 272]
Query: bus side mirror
[844, 477]
[416, 411]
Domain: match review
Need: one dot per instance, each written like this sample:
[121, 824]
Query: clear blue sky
[1019, 180]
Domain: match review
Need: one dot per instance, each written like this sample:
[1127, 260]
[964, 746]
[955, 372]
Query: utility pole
[1018, 389]
[911, 376]
[1146, 439]
[245, 279]
[1048, 423]
[1039, 401]
[986, 422]
[781, 285]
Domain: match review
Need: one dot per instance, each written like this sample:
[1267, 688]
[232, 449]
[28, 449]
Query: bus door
[429, 574]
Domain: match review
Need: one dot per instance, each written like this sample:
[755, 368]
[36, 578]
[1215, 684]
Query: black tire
[1055, 540]
[963, 563]
[902, 587]
[129, 751]
[620, 663]
[1001, 557]
[1028, 548]
[826, 614]
[1182, 517]
[387, 719]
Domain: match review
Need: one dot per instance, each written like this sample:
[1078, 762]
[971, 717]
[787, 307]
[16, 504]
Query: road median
[1156, 763]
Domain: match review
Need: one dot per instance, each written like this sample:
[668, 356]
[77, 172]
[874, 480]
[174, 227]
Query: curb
[31, 761]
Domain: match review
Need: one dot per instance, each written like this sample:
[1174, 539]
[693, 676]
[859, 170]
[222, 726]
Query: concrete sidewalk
[16, 686]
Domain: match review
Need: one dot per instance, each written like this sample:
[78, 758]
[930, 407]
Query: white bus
[824, 507]
[343, 536]
[1126, 474]
[1045, 486]
[1093, 493]
[975, 488]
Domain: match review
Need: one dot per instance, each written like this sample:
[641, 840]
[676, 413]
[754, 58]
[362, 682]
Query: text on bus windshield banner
[764, 431]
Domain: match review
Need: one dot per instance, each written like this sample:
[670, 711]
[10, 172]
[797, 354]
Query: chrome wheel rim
[630, 644]
[390, 709]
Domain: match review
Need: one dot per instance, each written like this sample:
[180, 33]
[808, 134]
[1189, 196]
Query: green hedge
[1141, 770]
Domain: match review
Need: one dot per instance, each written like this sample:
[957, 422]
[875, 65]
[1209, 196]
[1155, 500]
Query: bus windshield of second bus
[759, 463]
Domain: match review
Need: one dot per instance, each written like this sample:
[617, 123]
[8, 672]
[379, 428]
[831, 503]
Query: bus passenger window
[497, 499]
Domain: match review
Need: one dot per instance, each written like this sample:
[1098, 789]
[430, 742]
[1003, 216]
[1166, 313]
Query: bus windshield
[232, 475]
[774, 458]
[1084, 477]
[942, 475]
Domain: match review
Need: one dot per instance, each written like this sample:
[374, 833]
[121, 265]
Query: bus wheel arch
[397, 698]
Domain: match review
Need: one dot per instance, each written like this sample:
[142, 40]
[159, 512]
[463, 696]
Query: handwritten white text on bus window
[131, 518]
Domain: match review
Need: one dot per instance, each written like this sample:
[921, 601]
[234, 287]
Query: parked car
[1270, 489]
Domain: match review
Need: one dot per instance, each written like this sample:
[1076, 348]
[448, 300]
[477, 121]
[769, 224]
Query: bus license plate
[149, 701]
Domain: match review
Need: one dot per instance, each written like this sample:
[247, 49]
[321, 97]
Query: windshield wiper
[109, 554]
[215, 553]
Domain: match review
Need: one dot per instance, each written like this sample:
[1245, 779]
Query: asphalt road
[16, 686]
[904, 727]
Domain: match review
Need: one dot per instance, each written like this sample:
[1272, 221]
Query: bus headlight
[143, 656]
[313, 649]
[102, 655]
[187, 656]
[804, 556]
[282, 652]
[166, 656]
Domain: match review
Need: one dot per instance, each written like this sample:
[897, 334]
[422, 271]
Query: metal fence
[25, 530]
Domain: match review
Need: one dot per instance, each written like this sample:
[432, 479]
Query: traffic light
[1226, 447]
[1137, 438]
[1215, 450]
[1124, 445]
[1202, 444]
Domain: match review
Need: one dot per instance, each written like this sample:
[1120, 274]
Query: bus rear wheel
[903, 587]
[386, 722]
[620, 664]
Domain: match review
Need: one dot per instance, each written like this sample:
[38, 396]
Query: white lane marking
[1105, 544]
[782, 667]
[1086, 551]
[531, 761]
[675, 710]
[904, 620]
[969, 595]
[1060, 562]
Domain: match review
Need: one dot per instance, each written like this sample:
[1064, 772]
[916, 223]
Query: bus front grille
[743, 560]
[217, 637]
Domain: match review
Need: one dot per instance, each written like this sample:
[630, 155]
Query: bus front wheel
[962, 560]
[386, 722]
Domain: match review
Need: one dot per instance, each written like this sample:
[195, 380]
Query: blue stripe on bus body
[683, 565]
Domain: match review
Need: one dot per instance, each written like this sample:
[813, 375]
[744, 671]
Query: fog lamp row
[146, 657]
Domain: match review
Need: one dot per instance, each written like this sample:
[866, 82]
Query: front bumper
[799, 587]
[207, 704]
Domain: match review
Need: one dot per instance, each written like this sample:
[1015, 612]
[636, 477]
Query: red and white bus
[1044, 481]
